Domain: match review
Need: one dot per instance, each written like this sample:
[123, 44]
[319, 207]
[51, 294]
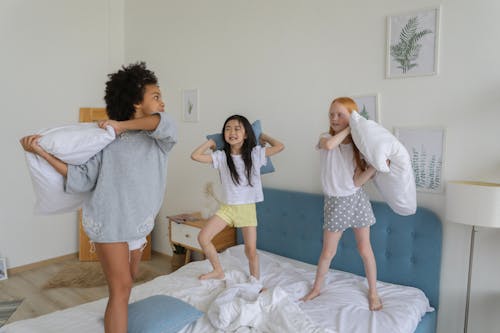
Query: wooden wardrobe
[85, 250]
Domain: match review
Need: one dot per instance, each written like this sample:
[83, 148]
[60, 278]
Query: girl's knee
[328, 254]
[203, 240]
[121, 286]
[365, 250]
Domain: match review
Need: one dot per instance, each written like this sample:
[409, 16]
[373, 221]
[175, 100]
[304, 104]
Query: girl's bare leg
[135, 260]
[365, 250]
[214, 225]
[330, 243]
[250, 239]
[114, 258]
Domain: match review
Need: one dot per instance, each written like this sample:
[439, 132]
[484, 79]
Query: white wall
[54, 58]
[283, 61]
[280, 61]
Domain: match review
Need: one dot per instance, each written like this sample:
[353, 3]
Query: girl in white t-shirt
[239, 166]
[343, 172]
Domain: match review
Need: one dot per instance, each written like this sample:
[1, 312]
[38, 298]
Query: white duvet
[237, 305]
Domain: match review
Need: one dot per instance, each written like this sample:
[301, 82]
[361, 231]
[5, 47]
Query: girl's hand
[212, 145]
[30, 144]
[113, 123]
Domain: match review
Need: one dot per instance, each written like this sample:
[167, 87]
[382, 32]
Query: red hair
[350, 105]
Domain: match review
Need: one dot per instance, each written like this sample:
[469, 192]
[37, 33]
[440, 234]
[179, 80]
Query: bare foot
[312, 294]
[375, 302]
[212, 275]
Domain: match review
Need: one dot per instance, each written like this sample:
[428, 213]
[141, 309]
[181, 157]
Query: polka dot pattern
[352, 211]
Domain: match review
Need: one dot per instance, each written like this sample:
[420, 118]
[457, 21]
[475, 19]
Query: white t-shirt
[242, 193]
[337, 170]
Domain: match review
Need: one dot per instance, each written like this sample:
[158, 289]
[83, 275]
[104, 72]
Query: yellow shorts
[238, 215]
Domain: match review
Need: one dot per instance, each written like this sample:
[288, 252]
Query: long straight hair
[350, 105]
[246, 149]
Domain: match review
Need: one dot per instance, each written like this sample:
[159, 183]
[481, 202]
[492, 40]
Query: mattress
[237, 304]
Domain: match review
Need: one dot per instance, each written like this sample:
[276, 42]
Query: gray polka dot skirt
[352, 211]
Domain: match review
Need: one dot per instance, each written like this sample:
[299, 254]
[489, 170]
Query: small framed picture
[190, 105]
[368, 106]
[3, 269]
[426, 149]
[412, 43]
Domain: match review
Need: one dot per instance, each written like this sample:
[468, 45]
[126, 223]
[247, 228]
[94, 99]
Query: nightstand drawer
[186, 235]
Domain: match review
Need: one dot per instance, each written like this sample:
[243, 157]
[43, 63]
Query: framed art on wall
[3, 269]
[426, 149]
[412, 43]
[368, 106]
[190, 107]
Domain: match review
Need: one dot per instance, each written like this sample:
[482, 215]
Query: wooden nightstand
[186, 233]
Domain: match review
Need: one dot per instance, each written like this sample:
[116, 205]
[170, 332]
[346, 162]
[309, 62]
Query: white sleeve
[217, 157]
[259, 156]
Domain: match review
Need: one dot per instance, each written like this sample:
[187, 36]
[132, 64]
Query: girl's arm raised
[276, 146]
[361, 177]
[147, 123]
[334, 141]
[200, 154]
[30, 144]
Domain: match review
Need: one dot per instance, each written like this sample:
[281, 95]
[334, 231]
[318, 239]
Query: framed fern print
[426, 148]
[412, 43]
[368, 106]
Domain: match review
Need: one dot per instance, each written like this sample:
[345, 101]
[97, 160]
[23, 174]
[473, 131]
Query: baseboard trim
[161, 254]
[38, 264]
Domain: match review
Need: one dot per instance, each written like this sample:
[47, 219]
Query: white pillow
[76, 144]
[375, 142]
[73, 144]
[396, 183]
[397, 187]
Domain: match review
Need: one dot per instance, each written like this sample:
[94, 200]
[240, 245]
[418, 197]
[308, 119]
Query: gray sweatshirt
[127, 181]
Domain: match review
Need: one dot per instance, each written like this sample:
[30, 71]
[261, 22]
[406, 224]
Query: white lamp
[475, 204]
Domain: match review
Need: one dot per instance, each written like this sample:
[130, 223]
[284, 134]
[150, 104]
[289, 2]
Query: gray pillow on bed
[160, 314]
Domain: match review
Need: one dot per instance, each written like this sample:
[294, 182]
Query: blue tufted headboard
[407, 248]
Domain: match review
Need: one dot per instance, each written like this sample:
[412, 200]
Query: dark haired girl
[239, 169]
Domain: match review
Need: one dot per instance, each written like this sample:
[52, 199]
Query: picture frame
[3, 269]
[190, 105]
[426, 148]
[413, 43]
[368, 105]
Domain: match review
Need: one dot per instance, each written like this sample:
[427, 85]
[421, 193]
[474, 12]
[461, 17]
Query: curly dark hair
[126, 88]
[246, 150]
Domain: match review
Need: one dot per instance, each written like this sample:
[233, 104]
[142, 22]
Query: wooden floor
[27, 285]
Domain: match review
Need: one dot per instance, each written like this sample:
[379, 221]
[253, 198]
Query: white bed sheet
[341, 307]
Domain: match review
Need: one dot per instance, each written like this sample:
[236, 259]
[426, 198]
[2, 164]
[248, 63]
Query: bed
[407, 249]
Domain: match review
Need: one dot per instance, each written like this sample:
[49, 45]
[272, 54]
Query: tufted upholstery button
[413, 234]
[388, 230]
[388, 254]
[413, 260]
